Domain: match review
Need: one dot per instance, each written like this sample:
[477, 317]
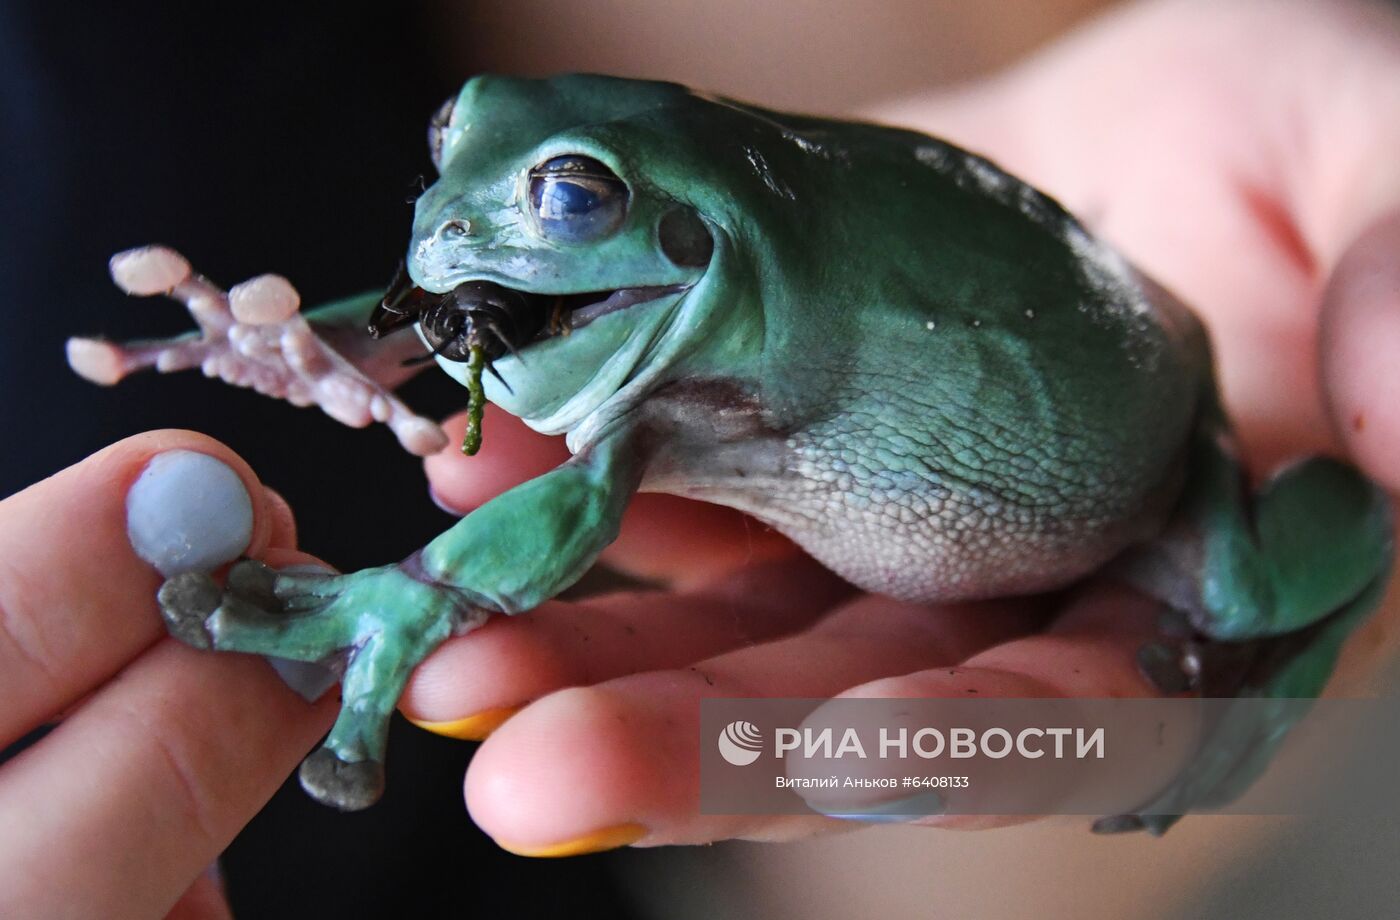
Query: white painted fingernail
[188, 512]
[308, 680]
[442, 504]
[892, 811]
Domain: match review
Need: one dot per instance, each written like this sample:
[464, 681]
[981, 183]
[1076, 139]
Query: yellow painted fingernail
[609, 838]
[475, 727]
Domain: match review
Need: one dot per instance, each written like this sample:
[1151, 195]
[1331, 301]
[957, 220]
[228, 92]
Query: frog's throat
[697, 334]
[646, 351]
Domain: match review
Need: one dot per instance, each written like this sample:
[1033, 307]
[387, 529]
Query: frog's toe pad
[186, 601]
[149, 270]
[342, 784]
[96, 360]
[254, 582]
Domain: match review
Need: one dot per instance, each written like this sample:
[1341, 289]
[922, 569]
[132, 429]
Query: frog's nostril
[455, 229]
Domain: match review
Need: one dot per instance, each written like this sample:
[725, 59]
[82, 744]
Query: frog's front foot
[252, 335]
[347, 785]
[375, 624]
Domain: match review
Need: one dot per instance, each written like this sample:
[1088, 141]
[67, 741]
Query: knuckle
[22, 639]
[175, 769]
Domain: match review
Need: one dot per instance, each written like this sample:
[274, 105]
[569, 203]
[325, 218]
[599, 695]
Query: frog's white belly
[889, 521]
[927, 544]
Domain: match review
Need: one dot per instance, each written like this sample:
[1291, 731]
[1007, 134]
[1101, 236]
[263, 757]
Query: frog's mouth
[578, 310]
[478, 322]
[496, 319]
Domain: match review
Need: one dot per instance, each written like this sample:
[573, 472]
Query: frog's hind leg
[376, 625]
[1271, 585]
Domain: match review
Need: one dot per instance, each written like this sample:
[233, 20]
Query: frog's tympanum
[919, 368]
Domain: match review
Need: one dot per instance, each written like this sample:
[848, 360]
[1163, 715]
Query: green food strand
[476, 400]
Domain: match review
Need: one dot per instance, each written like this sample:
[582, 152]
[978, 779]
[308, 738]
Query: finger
[281, 522]
[510, 454]
[651, 545]
[76, 601]
[618, 761]
[1090, 652]
[204, 900]
[129, 799]
[686, 543]
[472, 684]
[1358, 342]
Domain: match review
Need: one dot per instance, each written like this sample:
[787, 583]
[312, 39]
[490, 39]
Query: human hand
[1244, 156]
[119, 810]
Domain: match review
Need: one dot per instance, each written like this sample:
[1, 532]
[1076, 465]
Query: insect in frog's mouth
[496, 319]
[478, 322]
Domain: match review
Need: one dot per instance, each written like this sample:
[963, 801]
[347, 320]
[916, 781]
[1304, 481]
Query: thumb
[1359, 350]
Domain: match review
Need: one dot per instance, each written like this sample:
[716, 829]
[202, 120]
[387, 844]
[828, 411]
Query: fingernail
[609, 838]
[1117, 824]
[308, 680]
[188, 512]
[474, 727]
[893, 811]
[215, 874]
[442, 503]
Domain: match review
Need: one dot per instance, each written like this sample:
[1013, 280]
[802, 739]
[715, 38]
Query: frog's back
[977, 396]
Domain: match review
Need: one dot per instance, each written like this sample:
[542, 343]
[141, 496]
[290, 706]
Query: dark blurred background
[258, 137]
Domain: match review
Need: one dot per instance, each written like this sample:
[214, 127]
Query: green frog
[922, 370]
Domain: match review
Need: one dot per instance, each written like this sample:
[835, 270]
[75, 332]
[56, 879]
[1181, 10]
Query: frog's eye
[576, 199]
[437, 130]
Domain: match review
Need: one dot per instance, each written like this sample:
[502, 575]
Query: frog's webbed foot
[1259, 688]
[253, 335]
[375, 625]
[347, 785]
[1182, 661]
[1305, 559]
